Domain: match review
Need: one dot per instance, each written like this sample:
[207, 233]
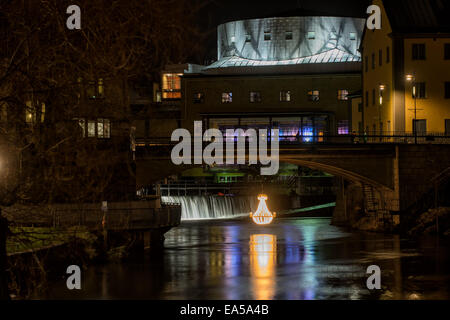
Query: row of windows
[419, 92]
[285, 96]
[289, 35]
[99, 128]
[418, 52]
[380, 59]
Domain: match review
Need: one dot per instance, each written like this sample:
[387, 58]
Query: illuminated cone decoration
[262, 215]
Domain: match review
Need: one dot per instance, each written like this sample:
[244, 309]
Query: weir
[212, 207]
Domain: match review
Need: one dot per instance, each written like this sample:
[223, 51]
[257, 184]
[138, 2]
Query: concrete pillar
[340, 211]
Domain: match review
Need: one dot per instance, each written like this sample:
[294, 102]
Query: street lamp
[412, 78]
[381, 87]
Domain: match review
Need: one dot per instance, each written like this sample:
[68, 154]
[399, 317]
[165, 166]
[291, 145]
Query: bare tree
[54, 80]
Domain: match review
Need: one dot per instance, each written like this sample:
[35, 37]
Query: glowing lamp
[262, 216]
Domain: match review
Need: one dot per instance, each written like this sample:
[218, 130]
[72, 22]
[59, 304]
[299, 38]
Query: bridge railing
[94, 218]
[371, 137]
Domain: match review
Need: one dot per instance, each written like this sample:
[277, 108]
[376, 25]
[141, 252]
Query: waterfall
[212, 207]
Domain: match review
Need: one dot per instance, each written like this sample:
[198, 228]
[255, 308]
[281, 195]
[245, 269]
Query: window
[342, 94]
[360, 107]
[311, 35]
[447, 127]
[421, 89]
[227, 97]
[199, 97]
[255, 96]
[233, 39]
[352, 35]
[171, 86]
[367, 98]
[285, 96]
[418, 51]
[447, 51]
[289, 35]
[82, 124]
[373, 97]
[267, 36]
[103, 129]
[388, 55]
[100, 128]
[91, 129]
[373, 60]
[343, 127]
[447, 90]
[420, 126]
[95, 89]
[314, 95]
[380, 58]
[367, 63]
[248, 38]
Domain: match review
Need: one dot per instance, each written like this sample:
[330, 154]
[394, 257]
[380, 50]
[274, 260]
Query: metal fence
[373, 137]
[96, 218]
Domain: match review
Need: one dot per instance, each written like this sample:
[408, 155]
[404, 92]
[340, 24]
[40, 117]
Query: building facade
[287, 73]
[406, 69]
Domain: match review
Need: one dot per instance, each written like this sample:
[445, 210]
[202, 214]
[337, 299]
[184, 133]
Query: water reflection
[263, 259]
[289, 259]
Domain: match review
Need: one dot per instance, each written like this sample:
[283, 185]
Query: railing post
[4, 230]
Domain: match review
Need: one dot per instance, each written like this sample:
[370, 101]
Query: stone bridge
[382, 180]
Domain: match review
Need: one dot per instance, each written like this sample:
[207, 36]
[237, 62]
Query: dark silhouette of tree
[53, 81]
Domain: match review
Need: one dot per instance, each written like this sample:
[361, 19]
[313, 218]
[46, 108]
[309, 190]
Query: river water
[294, 258]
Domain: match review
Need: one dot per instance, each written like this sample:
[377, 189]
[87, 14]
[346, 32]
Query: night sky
[220, 11]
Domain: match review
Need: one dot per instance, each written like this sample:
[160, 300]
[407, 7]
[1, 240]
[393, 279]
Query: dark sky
[227, 10]
[220, 11]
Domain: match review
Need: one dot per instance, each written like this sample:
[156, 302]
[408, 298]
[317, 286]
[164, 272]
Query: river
[294, 258]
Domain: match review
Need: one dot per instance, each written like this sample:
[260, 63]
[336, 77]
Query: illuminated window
[233, 39]
[311, 35]
[227, 97]
[314, 95]
[255, 96]
[343, 127]
[199, 97]
[285, 96]
[30, 113]
[289, 35]
[95, 89]
[103, 129]
[248, 38]
[91, 128]
[171, 86]
[352, 35]
[100, 128]
[418, 51]
[342, 94]
[82, 124]
[42, 112]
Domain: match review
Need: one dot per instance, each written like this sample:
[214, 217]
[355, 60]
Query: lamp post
[381, 87]
[412, 78]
